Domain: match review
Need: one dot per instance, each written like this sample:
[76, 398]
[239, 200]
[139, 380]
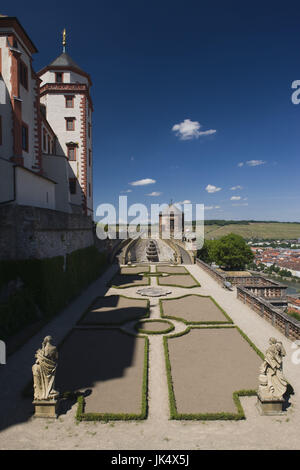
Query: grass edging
[147, 270]
[213, 322]
[177, 285]
[206, 416]
[82, 416]
[147, 315]
[161, 332]
[172, 274]
[127, 286]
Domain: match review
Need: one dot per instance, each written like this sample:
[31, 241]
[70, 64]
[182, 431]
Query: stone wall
[33, 232]
[250, 294]
[217, 275]
[283, 322]
[269, 288]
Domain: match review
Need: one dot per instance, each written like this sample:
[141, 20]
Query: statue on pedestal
[44, 370]
[175, 258]
[272, 384]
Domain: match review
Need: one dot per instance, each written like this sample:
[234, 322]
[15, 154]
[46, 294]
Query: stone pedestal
[270, 406]
[45, 408]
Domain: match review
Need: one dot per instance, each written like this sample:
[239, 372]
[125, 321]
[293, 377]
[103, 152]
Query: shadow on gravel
[289, 391]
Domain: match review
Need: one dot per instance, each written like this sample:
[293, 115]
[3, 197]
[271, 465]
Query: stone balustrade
[257, 292]
[289, 326]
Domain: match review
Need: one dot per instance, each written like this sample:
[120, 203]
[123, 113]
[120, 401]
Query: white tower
[65, 93]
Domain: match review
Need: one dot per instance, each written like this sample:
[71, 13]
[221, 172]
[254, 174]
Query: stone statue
[272, 384]
[44, 371]
[129, 258]
[175, 257]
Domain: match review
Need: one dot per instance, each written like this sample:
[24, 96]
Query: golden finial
[64, 42]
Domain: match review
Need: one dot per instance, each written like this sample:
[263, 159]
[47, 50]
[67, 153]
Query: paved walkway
[20, 431]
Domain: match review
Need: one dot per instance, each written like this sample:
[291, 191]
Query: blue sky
[218, 66]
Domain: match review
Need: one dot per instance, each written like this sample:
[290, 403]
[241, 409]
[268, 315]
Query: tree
[205, 253]
[231, 252]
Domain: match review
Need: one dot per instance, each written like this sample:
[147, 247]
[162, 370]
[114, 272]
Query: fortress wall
[34, 232]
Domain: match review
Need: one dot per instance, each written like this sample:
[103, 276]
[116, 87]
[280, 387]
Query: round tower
[65, 94]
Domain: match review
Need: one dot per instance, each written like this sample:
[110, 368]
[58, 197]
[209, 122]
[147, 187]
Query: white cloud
[252, 163]
[143, 182]
[188, 130]
[209, 208]
[127, 191]
[255, 162]
[210, 188]
[234, 188]
[154, 193]
[186, 201]
[235, 198]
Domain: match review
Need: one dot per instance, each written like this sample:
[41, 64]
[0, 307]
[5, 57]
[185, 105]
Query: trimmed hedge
[206, 416]
[48, 287]
[197, 284]
[212, 322]
[82, 416]
[168, 329]
[147, 314]
[126, 286]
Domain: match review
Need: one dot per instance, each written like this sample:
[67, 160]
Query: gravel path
[20, 431]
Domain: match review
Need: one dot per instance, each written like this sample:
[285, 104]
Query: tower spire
[64, 42]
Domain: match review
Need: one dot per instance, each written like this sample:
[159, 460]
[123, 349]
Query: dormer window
[59, 77]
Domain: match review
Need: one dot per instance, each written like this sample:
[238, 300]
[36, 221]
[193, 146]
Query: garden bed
[109, 368]
[208, 369]
[172, 269]
[122, 281]
[178, 280]
[115, 310]
[194, 309]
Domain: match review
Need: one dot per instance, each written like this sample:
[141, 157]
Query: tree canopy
[230, 252]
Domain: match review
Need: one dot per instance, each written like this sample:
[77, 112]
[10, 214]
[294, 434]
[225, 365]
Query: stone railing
[253, 281]
[190, 253]
[175, 248]
[127, 246]
[283, 322]
[217, 275]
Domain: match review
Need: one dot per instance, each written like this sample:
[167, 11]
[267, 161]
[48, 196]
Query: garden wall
[283, 322]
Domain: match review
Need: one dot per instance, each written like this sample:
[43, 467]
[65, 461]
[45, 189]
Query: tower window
[59, 77]
[25, 137]
[69, 101]
[70, 124]
[72, 185]
[23, 74]
[72, 153]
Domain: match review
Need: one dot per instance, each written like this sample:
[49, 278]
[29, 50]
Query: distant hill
[252, 229]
